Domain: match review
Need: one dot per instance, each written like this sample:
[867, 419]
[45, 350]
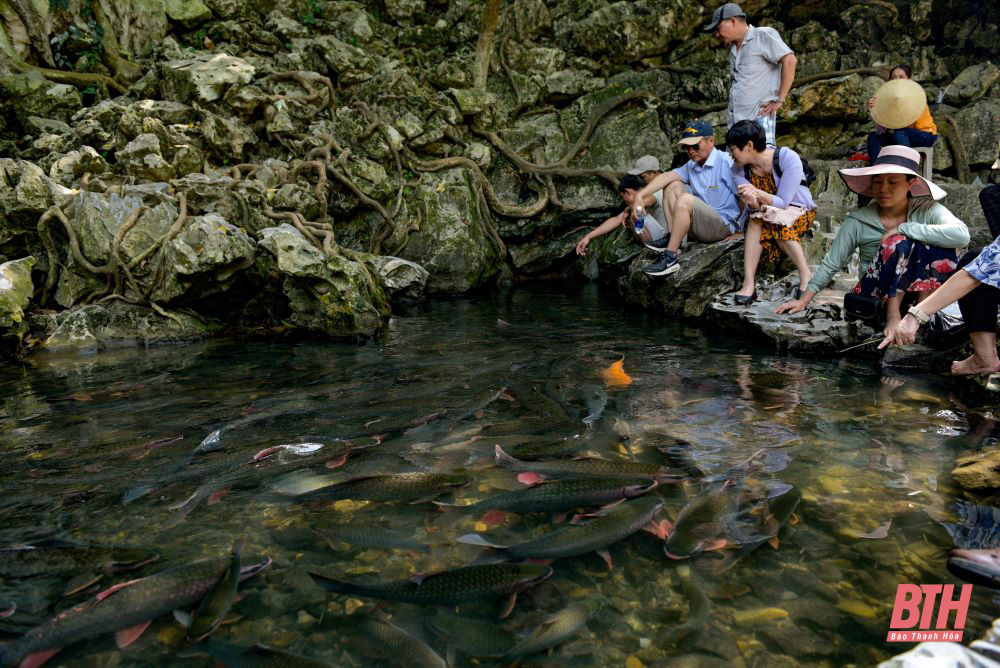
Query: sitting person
[906, 244]
[647, 168]
[989, 199]
[779, 188]
[650, 230]
[976, 286]
[708, 213]
[902, 116]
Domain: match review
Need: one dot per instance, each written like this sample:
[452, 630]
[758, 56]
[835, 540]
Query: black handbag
[860, 307]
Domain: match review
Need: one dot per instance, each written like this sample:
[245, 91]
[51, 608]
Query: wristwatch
[919, 315]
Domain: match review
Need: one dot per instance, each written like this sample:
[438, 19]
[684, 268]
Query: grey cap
[726, 11]
[646, 163]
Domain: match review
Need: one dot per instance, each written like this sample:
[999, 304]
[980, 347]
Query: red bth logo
[914, 607]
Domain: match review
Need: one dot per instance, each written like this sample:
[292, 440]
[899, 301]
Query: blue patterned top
[986, 267]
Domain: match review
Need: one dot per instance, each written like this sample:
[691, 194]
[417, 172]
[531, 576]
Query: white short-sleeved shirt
[755, 72]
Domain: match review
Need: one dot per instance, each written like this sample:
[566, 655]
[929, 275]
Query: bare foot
[972, 366]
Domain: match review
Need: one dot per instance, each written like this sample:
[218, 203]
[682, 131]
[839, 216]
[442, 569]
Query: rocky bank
[172, 169]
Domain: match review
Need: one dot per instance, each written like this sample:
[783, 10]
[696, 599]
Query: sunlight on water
[186, 450]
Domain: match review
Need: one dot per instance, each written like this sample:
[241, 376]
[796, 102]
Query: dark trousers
[979, 307]
[989, 198]
[901, 137]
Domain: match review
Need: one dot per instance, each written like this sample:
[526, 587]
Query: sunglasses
[694, 147]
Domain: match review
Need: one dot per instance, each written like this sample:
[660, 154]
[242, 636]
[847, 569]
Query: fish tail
[503, 459]
[336, 586]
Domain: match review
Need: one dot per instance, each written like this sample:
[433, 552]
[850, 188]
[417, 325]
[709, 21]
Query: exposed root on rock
[949, 130]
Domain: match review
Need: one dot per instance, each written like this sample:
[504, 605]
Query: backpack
[808, 175]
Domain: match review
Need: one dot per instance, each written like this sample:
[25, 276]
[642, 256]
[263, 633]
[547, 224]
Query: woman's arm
[942, 229]
[904, 332]
[791, 178]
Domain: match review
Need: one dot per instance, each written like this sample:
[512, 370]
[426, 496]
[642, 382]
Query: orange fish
[615, 376]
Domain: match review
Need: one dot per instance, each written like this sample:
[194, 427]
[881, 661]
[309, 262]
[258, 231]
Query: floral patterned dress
[771, 234]
[904, 264]
[986, 267]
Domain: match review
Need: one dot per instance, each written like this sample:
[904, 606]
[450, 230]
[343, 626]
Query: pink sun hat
[891, 160]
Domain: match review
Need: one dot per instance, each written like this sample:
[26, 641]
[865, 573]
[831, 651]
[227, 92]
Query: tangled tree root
[949, 130]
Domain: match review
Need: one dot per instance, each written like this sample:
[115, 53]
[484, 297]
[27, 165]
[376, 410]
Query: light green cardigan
[926, 221]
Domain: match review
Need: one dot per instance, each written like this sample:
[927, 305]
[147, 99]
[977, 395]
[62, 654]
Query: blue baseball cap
[693, 132]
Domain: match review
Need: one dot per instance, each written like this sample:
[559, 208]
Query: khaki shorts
[706, 224]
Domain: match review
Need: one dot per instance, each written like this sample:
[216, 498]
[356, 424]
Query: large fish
[59, 556]
[596, 398]
[584, 468]
[460, 585]
[400, 647]
[256, 656]
[536, 448]
[552, 495]
[126, 611]
[555, 629]
[605, 528]
[368, 536]
[414, 487]
[701, 524]
[980, 567]
[699, 608]
[217, 603]
[474, 637]
[758, 524]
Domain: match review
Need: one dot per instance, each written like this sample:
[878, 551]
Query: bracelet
[921, 317]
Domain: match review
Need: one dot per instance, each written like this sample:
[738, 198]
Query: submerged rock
[15, 293]
[332, 295]
[979, 472]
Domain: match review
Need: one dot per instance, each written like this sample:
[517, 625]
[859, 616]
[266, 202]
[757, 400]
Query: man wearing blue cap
[709, 212]
[761, 68]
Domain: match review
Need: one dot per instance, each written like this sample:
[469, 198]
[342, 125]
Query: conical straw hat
[900, 103]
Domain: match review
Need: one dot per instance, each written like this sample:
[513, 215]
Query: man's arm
[606, 227]
[788, 64]
[659, 182]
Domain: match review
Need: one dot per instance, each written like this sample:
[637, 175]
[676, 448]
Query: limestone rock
[980, 131]
[94, 327]
[570, 83]
[352, 65]
[240, 202]
[226, 136]
[450, 239]
[629, 30]
[973, 83]
[15, 293]
[136, 23]
[240, 9]
[831, 99]
[472, 101]
[204, 258]
[963, 201]
[187, 13]
[404, 280]
[979, 472]
[707, 270]
[404, 10]
[72, 166]
[167, 111]
[141, 158]
[33, 95]
[204, 78]
[283, 27]
[325, 295]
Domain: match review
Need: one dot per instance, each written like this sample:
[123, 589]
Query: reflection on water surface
[156, 449]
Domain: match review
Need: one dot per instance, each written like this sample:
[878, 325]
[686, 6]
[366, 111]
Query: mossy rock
[16, 288]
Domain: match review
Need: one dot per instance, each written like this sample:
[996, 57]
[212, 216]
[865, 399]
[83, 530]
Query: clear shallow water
[80, 436]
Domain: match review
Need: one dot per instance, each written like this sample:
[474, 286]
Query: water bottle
[640, 213]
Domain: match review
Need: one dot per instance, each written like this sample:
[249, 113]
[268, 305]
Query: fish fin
[667, 527]
[715, 544]
[503, 459]
[508, 606]
[476, 539]
[449, 655]
[793, 520]
[336, 462]
[655, 529]
[330, 584]
[79, 583]
[183, 618]
[108, 592]
[181, 504]
[613, 503]
[529, 477]
[38, 658]
[126, 637]
[559, 518]
[494, 517]
[774, 542]
[217, 496]
[606, 556]
[266, 452]
[419, 578]
[9, 610]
